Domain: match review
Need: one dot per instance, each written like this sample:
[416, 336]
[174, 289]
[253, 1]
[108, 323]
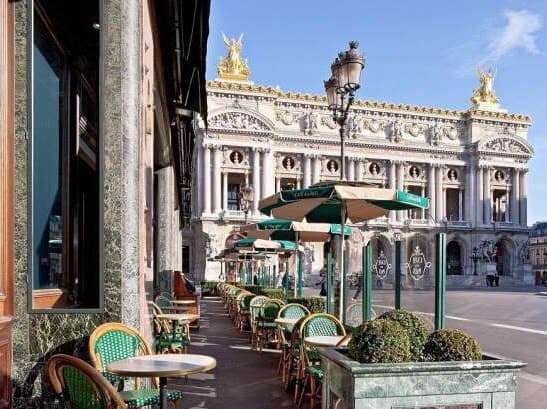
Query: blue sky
[418, 52]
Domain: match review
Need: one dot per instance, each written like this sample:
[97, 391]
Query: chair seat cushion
[316, 371]
[137, 398]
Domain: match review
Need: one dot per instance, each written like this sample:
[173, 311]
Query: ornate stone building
[472, 165]
[538, 251]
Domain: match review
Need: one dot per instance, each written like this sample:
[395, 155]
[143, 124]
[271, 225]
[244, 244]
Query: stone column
[277, 184]
[400, 186]
[246, 178]
[217, 188]
[316, 169]
[206, 179]
[439, 211]
[360, 169]
[468, 193]
[515, 190]
[392, 214]
[298, 182]
[256, 179]
[351, 169]
[431, 192]
[267, 182]
[460, 205]
[523, 198]
[307, 171]
[199, 180]
[487, 196]
[479, 208]
[225, 190]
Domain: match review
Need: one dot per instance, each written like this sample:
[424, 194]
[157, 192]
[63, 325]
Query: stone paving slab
[242, 379]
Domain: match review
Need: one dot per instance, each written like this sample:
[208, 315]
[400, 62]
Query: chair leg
[313, 392]
[303, 393]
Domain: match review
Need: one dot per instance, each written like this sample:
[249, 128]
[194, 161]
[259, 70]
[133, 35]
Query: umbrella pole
[298, 273]
[342, 265]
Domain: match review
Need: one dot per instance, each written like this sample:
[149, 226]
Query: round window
[288, 163]
[414, 171]
[236, 157]
[332, 166]
[374, 169]
[452, 174]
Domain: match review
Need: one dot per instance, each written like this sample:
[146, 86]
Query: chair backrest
[80, 385]
[354, 315]
[114, 341]
[293, 310]
[155, 308]
[246, 301]
[169, 296]
[321, 324]
[269, 310]
[162, 301]
[255, 307]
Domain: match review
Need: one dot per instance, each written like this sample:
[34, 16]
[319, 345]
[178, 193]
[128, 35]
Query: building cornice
[302, 99]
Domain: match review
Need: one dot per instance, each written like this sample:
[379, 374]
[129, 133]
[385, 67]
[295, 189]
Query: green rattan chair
[79, 385]
[255, 307]
[310, 370]
[265, 323]
[115, 341]
[284, 333]
[244, 312]
[354, 315]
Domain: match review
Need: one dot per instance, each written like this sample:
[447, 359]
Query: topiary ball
[451, 345]
[380, 341]
[415, 328]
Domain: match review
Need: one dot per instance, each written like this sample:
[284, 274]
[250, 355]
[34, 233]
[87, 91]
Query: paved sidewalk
[242, 379]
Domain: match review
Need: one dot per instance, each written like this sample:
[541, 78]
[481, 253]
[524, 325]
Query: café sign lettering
[417, 265]
[381, 266]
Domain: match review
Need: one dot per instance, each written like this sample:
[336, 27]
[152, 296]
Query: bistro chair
[244, 311]
[182, 326]
[310, 369]
[255, 307]
[266, 325]
[292, 310]
[354, 315]
[79, 385]
[114, 341]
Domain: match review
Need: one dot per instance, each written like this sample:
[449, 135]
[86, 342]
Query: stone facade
[471, 164]
[538, 251]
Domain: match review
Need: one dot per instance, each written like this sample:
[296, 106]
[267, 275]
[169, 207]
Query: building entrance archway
[503, 258]
[454, 265]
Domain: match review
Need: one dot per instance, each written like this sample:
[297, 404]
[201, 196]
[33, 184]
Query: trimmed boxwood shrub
[210, 287]
[415, 328]
[273, 293]
[380, 341]
[255, 289]
[451, 345]
[314, 304]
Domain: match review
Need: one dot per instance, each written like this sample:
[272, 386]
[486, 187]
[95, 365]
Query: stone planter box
[486, 384]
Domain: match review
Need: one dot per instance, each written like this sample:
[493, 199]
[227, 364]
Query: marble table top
[324, 340]
[162, 365]
[178, 317]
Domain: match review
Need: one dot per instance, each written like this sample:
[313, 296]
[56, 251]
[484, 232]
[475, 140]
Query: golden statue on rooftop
[484, 97]
[233, 67]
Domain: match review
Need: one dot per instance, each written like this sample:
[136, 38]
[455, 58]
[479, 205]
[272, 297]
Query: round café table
[184, 302]
[323, 340]
[178, 317]
[162, 366]
[286, 322]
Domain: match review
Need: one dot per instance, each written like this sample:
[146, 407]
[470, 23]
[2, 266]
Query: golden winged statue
[484, 96]
[233, 67]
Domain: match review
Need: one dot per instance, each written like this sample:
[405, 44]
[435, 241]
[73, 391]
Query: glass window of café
[65, 155]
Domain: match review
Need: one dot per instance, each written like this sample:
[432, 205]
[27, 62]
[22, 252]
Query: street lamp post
[246, 197]
[475, 256]
[340, 87]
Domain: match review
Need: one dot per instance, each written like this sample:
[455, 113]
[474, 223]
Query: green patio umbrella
[338, 202]
[254, 244]
[283, 229]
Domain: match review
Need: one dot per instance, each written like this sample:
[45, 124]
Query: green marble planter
[486, 384]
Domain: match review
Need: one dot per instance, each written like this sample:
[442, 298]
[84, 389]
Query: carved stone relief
[310, 123]
[286, 117]
[415, 129]
[507, 145]
[237, 120]
[436, 134]
[396, 131]
[328, 122]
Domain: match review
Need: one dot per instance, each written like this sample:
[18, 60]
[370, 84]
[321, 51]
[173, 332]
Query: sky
[418, 52]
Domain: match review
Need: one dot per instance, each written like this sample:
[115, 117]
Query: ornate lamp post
[475, 256]
[340, 87]
[246, 197]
